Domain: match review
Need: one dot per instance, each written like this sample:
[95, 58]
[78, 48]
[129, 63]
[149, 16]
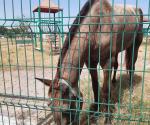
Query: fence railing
[32, 44]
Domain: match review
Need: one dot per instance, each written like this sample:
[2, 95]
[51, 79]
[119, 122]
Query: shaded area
[122, 84]
[117, 95]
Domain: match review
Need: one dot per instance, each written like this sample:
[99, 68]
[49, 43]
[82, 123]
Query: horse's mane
[79, 19]
[74, 27]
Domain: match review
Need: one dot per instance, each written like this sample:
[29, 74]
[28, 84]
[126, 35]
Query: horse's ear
[47, 82]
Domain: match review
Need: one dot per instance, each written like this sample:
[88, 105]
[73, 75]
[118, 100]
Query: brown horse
[97, 35]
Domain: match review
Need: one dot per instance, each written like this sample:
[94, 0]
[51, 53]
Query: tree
[3, 30]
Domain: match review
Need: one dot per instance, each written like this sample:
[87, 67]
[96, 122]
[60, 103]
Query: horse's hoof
[130, 90]
[130, 87]
[93, 107]
[107, 122]
[114, 81]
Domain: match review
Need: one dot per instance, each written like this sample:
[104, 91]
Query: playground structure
[146, 29]
[49, 28]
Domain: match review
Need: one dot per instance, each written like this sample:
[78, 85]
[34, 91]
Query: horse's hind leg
[115, 69]
[131, 56]
[130, 63]
[128, 59]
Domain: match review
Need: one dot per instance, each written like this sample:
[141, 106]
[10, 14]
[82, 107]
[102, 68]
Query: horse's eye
[73, 96]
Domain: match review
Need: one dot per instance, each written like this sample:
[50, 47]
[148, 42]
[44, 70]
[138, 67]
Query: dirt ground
[20, 64]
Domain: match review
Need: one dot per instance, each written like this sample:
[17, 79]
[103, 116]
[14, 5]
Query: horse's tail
[139, 37]
[141, 19]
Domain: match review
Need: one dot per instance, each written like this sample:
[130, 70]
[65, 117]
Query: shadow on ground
[122, 84]
[118, 90]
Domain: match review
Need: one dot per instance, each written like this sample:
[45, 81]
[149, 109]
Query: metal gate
[32, 33]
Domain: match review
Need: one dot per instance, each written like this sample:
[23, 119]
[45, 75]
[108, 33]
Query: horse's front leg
[106, 89]
[95, 86]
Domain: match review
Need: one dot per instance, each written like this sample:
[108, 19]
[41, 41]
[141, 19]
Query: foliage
[21, 29]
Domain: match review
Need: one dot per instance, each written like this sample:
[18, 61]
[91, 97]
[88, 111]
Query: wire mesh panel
[93, 57]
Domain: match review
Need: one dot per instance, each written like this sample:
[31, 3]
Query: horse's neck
[74, 60]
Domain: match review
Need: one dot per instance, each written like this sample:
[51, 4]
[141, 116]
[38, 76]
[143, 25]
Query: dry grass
[136, 104]
[129, 106]
[22, 56]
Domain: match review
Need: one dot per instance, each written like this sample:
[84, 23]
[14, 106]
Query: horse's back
[128, 20]
[127, 16]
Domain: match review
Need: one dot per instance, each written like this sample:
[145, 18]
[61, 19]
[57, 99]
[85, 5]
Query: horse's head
[64, 101]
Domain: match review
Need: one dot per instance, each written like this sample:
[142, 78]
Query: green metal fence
[23, 99]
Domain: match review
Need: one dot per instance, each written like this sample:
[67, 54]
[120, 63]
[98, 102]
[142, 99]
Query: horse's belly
[125, 41]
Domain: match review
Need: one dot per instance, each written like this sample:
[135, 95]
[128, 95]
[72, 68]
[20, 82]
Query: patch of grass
[128, 106]
[25, 55]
